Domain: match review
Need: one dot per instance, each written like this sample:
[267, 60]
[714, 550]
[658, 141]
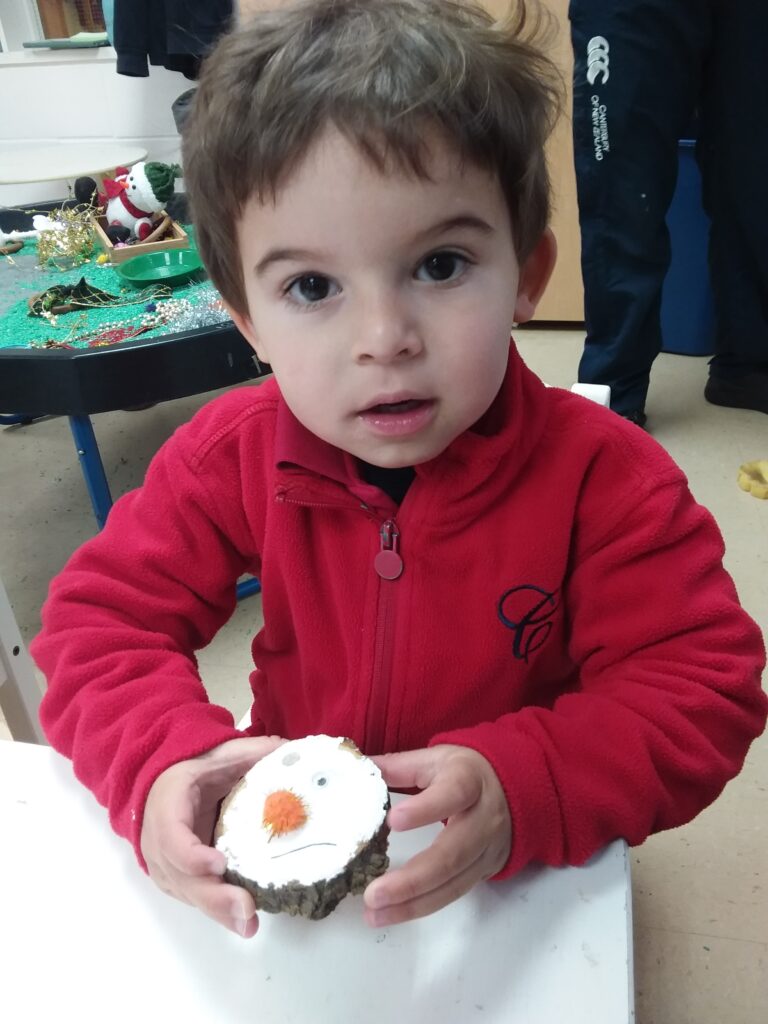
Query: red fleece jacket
[562, 609]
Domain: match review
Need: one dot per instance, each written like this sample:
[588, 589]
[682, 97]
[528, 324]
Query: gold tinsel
[72, 243]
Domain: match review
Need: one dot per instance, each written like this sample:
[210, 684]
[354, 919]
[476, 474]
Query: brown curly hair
[384, 73]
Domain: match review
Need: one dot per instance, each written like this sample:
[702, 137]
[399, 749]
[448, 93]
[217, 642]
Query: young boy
[506, 591]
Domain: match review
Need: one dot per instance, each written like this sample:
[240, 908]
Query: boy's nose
[387, 332]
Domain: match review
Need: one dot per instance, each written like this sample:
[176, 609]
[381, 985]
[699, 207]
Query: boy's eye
[310, 288]
[441, 266]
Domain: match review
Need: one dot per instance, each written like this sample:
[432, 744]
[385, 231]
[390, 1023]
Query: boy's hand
[458, 786]
[179, 818]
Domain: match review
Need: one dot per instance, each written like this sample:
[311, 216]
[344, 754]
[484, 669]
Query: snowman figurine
[134, 196]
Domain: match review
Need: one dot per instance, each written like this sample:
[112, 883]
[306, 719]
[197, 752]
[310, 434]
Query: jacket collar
[297, 448]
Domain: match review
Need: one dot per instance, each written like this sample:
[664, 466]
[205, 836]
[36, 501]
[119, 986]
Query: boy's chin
[396, 464]
[398, 459]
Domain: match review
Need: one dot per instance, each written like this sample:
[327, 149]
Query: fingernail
[374, 901]
[241, 921]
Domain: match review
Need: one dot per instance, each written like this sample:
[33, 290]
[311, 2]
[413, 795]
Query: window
[24, 21]
[63, 18]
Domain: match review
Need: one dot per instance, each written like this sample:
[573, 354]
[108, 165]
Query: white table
[22, 162]
[85, 937]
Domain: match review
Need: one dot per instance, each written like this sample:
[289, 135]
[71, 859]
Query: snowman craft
[306, 826]
[133, 198]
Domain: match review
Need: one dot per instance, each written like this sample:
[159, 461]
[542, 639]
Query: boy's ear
[534, 277]
[244, 325]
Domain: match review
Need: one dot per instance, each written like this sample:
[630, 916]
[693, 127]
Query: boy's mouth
[396, 402]
[406, 405]
[399, 416]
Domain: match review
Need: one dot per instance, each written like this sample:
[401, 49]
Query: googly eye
[291, 758]
[319, 779]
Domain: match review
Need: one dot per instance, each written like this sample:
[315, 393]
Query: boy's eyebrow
[276, 255]
[464, 220]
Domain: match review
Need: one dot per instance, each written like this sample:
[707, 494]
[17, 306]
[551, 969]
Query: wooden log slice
[306, 826]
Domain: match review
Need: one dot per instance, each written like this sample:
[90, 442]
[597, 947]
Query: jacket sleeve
[668, 699]
[122, 622]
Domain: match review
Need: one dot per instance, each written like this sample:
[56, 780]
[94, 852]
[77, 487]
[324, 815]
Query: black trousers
[642, 67]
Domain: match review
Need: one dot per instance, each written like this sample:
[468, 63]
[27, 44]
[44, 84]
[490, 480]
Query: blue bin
[687, 311]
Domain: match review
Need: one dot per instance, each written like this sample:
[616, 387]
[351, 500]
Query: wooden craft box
[177, 239]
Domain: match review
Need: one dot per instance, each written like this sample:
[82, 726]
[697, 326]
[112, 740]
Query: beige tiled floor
[700, 892]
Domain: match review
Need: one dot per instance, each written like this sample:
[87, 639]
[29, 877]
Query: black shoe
[749, 391]
[636, 416]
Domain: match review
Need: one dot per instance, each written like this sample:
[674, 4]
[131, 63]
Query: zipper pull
[388, 563]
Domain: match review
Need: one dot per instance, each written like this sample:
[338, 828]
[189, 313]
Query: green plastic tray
[171, 266]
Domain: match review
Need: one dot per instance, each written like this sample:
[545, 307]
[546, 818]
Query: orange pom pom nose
[283, 812]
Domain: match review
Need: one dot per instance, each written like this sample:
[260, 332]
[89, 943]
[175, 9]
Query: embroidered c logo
[531, 627]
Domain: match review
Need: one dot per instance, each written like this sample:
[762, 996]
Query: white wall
[79, 96]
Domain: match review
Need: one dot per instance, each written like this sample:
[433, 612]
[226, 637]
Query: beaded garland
[169, 317]
[192, 306]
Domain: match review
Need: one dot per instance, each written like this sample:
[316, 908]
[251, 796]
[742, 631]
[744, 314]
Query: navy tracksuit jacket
[642, 68]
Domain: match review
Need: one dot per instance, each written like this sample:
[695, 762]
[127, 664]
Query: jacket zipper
[388, 564]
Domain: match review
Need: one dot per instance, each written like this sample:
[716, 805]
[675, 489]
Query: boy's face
[383, 302]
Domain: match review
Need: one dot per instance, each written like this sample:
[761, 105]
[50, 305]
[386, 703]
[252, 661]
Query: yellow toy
[753, 477]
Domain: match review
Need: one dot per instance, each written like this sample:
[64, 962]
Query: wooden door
[564, 297]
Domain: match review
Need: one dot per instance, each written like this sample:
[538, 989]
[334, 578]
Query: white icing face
[302, 812]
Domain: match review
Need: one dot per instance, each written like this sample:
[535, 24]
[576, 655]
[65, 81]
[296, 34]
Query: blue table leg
[92, 467]
[98, 488]
[247, 587]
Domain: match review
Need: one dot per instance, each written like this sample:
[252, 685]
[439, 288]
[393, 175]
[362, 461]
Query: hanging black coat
[175, 34]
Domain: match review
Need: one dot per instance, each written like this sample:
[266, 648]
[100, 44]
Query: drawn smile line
[298, 848]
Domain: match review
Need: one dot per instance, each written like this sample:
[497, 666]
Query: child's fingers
[178, 823]
[452, 791]
[223, 765]
[230, 905]
[450, 779]
[187, 854]
[428, 882]
[458, 847]
[409, 769]
[428, 902]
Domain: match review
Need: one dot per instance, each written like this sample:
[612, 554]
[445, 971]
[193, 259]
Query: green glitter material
[22, 278]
